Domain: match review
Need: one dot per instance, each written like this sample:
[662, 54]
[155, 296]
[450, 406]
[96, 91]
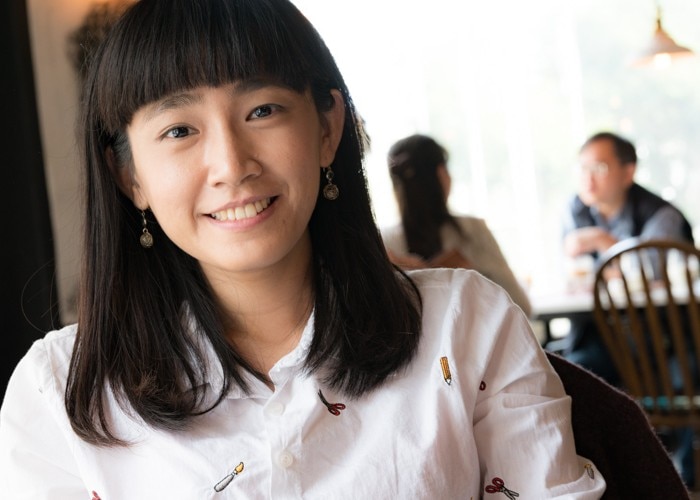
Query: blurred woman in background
[429, 235]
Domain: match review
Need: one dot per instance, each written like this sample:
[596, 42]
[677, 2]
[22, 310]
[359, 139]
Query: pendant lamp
[661, 50]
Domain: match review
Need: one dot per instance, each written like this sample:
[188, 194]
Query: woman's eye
[262, 111]
[178, 132]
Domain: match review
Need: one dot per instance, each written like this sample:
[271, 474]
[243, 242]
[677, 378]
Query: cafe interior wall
[52, 22]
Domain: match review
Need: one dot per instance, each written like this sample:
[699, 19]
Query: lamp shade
[661, 49]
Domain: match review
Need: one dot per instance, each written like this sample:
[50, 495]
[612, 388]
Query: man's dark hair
[624, 149]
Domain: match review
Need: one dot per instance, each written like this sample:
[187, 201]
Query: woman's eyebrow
[170, 102]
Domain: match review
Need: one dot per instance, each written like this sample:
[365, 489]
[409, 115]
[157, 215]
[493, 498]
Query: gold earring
[146, 238]
[330, 190]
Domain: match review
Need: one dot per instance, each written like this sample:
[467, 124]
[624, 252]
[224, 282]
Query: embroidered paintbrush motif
[230, 477]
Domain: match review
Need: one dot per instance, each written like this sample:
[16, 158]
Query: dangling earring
[330, 190]
[146, 238]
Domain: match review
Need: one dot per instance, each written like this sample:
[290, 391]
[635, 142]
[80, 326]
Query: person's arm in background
[667, 223]
[587, 240]
[487, 258]
[583, 240]
[408, 261]
[451, 258]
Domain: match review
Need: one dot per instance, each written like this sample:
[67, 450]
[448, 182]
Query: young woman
[241, 332]
[429, 235]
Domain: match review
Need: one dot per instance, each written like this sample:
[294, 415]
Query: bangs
[151, 54]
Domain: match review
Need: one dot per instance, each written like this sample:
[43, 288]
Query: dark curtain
[28, 293]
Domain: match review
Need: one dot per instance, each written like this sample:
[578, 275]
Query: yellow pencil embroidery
[445, 365]
[227, 480]
[589, 470]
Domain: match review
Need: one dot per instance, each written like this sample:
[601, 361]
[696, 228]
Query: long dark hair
[143, 313]
[413, 163]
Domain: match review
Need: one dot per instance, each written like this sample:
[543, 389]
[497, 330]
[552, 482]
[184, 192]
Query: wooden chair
[647, 309]
[612, 431]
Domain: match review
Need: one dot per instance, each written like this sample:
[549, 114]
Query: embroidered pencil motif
[589, 470]
[230, 477]
[446, 374]
[334, 408]
[498, 486]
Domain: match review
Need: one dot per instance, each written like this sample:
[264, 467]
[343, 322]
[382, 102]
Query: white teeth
[244, 212]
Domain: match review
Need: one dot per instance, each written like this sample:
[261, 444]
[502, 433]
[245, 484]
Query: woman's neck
[265, 313]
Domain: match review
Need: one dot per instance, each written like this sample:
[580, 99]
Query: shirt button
[285, 459]
[275, 409]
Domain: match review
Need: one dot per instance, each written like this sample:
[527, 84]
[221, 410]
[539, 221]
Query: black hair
[624, 149]
[143, 313]
[413, 163]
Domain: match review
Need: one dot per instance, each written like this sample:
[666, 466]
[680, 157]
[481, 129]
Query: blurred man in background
[610, 206]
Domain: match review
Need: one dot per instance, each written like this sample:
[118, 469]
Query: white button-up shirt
[479, 413]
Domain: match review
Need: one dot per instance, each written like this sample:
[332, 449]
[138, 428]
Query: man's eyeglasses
[599, 169]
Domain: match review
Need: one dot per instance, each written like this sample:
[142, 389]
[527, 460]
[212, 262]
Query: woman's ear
[124, 177]
[333, 123]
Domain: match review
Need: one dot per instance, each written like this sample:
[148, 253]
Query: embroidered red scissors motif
[498, 486]
[333, 408]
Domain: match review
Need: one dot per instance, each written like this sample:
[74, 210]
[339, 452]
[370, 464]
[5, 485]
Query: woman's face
[231, 173]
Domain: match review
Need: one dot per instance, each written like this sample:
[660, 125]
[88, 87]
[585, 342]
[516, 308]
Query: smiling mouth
[243, 212]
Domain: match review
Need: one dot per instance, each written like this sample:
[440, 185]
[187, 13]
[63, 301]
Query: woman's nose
[229, 158]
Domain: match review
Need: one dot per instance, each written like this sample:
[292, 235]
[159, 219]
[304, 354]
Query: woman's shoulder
[466, 314]
[57, 343]
[47, 360]
[467, 284]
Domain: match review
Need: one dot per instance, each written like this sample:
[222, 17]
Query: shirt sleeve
[568, 223]
[667, 224]
[522, 423]
[394, 240]
[490, 261]
[35, 458]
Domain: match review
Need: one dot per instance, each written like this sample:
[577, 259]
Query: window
[512, 89]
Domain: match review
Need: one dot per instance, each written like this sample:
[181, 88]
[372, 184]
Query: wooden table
[572, 305]
[578, 305]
